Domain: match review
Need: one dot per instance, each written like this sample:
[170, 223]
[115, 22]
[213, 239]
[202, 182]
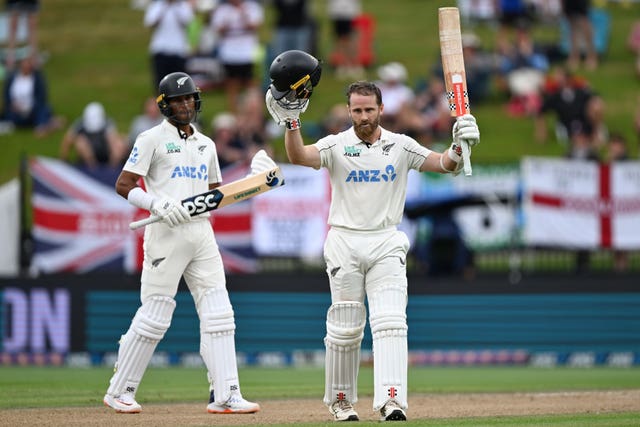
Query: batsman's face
[365, 115]
[183, 107]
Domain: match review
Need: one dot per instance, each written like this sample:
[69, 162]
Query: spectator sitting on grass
[95, 139]
[26, 102]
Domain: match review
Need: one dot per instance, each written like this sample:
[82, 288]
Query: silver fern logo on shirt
[387, 148]
[372, 175]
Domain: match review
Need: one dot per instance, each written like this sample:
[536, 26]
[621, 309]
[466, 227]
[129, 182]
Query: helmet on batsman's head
[176, 84]
[294, 74]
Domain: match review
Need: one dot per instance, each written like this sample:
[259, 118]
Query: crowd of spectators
[536, 81]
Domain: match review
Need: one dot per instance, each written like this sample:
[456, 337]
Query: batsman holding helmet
[365, 254]
[176, 161]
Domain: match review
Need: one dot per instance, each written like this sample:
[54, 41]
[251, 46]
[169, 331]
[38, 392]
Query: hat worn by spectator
[392, 72]
[94, 118]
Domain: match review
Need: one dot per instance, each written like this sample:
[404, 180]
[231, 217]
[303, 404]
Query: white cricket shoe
[342, 410]
[123, 404]
[235, 405]
[391, 411]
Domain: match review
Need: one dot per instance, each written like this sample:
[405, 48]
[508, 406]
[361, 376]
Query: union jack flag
[81, 225]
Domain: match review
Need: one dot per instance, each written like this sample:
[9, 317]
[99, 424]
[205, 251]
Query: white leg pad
[217, 343]
[388, 321]
[138, 344]
[345, 330]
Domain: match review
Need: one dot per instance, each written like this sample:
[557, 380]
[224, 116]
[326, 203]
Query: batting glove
[284, 112]
[261, 162]
[171, 212]
[466, 129]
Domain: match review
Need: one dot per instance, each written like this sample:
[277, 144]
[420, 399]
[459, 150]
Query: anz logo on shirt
[172, 148]
[133, 157]
[191, 172]
[372, 175]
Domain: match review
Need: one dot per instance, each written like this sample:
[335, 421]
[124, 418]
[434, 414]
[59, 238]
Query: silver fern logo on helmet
[182, 80]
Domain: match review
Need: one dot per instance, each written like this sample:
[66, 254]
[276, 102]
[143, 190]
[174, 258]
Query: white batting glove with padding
[261, 162]
[284, 112]
[466, 129]
[171, 212]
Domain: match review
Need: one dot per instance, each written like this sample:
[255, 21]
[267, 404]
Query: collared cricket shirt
[172, 166]
[369, 181]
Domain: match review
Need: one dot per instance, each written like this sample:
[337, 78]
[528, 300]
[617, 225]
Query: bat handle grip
[146, 221]
[466, 158]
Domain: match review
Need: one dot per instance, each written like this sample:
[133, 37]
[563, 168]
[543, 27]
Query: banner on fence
[292, 221]
[581, 204]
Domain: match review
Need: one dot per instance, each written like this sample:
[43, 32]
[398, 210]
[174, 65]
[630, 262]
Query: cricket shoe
[235, 405]
[342, 410]
[391, 411]
[123, 404]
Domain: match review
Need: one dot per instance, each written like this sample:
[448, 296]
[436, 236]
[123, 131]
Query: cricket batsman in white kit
[176, 161]
[365, 254]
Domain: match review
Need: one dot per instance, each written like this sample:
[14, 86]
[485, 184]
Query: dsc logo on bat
[202, 202]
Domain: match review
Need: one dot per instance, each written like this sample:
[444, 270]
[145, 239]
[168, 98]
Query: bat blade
[225, 195]
[455, 78]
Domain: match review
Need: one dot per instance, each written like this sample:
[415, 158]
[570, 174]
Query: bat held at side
[224, 195]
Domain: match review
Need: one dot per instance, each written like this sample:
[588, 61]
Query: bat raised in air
[455, 79]
[224, 195]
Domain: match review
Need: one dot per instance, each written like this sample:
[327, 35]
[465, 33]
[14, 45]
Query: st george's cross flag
[581, 204]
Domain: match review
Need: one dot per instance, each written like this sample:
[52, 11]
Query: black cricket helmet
[177, 84]
[294, 74]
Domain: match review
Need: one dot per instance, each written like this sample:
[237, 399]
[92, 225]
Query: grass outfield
[40, 387]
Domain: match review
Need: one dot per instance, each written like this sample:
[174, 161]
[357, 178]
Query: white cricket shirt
[174, 167]
[369, 183]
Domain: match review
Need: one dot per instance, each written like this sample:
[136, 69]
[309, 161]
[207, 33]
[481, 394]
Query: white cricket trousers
[373, 264]
[188, 250]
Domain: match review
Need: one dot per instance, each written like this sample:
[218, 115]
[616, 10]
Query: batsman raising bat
[176, 161]
[365, 254]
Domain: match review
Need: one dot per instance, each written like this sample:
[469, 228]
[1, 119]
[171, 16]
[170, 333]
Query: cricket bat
[455, 79]
[225, 195]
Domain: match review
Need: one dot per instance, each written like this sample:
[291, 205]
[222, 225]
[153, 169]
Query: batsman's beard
[366, 130]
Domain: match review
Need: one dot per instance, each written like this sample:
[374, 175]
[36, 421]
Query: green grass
[46, 387]
[99, 52]
[30, 387]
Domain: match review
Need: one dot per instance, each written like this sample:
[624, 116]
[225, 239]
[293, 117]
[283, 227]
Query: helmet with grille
[173, 85]
[294, 74]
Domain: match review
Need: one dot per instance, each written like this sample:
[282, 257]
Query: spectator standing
[567, 98]
[169, 44]
[577, 14]
[511, 15]
[236, 23]
[149, 118]
[293, 27]
[342, 14]
[95, 138]
[17, 9]
[26, 102]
